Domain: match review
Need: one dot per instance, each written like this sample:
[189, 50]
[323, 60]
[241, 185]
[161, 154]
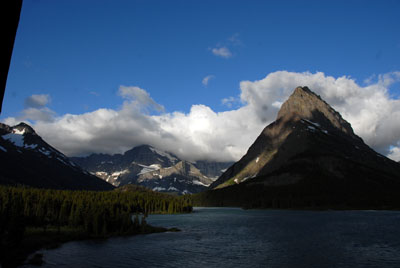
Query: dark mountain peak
[303, 118]
[305, 104]
[21, 129]
[140, 147]
[24, 128]
[308, 157]
[149, 155]
[303, 90]
[29, 160]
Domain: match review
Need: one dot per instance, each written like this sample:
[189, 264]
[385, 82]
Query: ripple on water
[231, 237]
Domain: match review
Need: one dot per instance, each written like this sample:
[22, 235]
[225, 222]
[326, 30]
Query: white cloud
[394, 153]
[37, 101]
[222, 52]
[35, 110]
[138, 97]
[205, 134]
[223, 49]
[277, 104]
[38, 114]
[229, 101]
[207, 79]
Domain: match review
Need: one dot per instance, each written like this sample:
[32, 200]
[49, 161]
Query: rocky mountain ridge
[26, 159]
[153, 168]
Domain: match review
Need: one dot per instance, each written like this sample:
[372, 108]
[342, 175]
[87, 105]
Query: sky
[200, 79]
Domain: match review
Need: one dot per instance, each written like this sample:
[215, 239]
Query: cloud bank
[205, 134]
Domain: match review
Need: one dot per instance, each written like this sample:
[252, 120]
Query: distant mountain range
[308, 157]
[26, 159]
[150, 167]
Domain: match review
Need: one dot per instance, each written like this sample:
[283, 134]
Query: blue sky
[79, 53]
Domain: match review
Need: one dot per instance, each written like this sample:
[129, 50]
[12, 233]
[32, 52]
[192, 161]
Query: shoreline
[35, 240]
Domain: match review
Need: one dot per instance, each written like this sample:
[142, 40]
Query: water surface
[232, 237]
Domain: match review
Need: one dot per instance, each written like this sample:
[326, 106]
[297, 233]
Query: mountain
[153, 168]
[309, 156]
[26, 159]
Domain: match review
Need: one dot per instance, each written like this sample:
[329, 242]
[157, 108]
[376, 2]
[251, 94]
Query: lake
[232, 237]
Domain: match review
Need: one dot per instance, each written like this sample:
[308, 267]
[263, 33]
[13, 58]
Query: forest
[24, 211]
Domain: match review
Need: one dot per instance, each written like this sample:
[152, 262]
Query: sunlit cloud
[203, 133]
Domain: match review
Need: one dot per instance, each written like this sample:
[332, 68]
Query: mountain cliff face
[309, 147]
[26, 159]
[150, 167]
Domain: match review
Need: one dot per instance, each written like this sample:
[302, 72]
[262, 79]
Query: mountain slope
[312, 148]
[147, 166]
[28, 160]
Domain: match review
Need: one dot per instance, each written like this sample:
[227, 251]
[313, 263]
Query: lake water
[232, 237]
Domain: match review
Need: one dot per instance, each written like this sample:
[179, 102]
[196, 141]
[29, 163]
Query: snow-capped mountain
[153, 168]
[28, 160]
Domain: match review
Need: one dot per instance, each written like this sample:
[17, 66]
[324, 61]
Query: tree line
[97, 214]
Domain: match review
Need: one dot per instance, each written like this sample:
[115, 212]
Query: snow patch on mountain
[314, 126]
[19, 132]
[45, 152]
[31, 146]
[165, 154]
[312, 123]
[159, 189]
[150, 168]
[196, 182]
[171, 188]
[311, 128]
[16, 139]
[118, 173]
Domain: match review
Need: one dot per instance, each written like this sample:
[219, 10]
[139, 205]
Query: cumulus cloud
[139, 97]
[35, 110]
[205, 134]
[41, 114]
[222, 52]
[199, 134]
[373, 114]
[37, 101]
[207, 79]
